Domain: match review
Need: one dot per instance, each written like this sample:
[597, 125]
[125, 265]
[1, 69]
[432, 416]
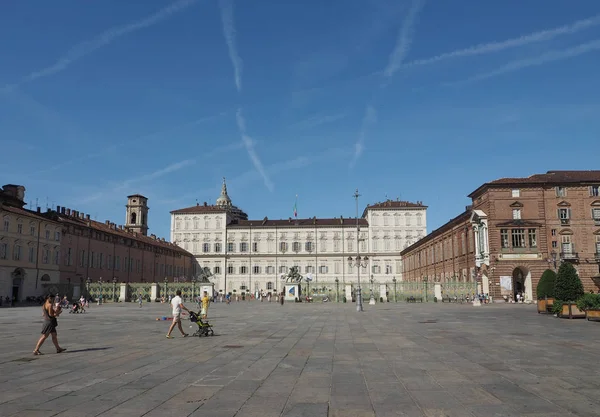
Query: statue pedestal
[372, 300]
[292, 291]
[437, 290]
[383, 292]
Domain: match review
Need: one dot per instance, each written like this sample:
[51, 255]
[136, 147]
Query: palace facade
[514, 230]
[252, 255]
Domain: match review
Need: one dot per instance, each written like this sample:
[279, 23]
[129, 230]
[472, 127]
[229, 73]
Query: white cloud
[87, 47]
[486, 48]
[317, 120]
[226, 7]
[539, 60]
[369, 119]
[249, 144]
[137, 180]
[405, 38]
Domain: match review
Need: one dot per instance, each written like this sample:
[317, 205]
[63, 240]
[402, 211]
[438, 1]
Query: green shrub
[545, 287]
[557, 307]
[568, 286]
[589, 302]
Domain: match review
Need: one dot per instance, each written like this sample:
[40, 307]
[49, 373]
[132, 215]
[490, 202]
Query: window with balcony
[296, 246]
[308, 246]
[516, 214]
[256, 269]
[516, 193]
[504, 238]
[243, 269]
[532, 234]
[230, 247]
[564, 214]
[566, 245]
[243, 247]
[561, 191]
[230, 269]
[595, 191]
[206, 247]
[518, 238]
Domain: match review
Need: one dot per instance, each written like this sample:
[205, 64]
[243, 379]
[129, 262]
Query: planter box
[592, 315]
[570, 311]
[545, 306]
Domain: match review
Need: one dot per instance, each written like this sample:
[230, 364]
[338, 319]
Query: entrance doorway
[17, 285]
[522, 284]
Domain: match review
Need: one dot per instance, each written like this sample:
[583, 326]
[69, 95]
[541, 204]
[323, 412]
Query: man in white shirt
[177, 304]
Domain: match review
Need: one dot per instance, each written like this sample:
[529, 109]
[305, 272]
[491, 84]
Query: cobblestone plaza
[303, 360]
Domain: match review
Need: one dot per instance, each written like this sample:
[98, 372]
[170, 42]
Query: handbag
[54, 321]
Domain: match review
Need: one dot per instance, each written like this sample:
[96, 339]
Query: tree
[545, 287]
[568, 286]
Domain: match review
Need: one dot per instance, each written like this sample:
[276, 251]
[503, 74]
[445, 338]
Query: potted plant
[590, 303]
[545, 291]
[568, 289]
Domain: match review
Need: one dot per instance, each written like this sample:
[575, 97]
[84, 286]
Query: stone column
[383, 292]
[348, 293]
[154, 292]
[123, 292]
[438, 291]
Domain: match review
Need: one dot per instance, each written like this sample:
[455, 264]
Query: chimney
[87, 216]
[68, 212]
[58, 209]
[39, 209]
[153, 237]
[205, 204]
[107, 223]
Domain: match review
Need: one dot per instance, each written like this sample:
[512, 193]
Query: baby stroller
[76, 308]
[204, 328]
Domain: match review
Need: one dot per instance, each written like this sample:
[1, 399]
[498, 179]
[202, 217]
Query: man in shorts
[177, 304]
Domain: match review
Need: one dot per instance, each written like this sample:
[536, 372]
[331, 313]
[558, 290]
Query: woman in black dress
[49, 328]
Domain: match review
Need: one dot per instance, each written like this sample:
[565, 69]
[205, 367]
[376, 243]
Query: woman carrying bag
[50, 314]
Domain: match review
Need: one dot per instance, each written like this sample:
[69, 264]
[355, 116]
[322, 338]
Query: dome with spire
[223, 200]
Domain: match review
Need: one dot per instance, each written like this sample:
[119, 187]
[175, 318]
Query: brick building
[514, 230]
[60, 249]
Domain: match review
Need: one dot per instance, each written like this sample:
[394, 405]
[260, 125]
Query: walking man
[177, 304]
[205, 303]
[140, 299]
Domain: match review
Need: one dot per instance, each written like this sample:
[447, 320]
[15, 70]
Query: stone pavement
[308, 360]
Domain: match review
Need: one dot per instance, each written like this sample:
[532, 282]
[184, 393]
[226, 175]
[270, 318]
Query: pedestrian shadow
[88, 349]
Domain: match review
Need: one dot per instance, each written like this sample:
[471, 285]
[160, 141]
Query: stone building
[251, 255]
[29, 247]
[514, 230]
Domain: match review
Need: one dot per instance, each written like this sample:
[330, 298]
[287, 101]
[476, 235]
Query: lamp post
[88, 282]
[358, 261]
[166, 288]
[425, 281]
[395, 292]
[372, 298]
[114, 281]
[100, 296]
[337, 290]
[194, 289]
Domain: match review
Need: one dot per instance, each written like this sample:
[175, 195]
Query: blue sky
[421, 100]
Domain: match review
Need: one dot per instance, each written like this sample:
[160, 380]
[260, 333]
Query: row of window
[188, 223]
[18, 254]
[284, 269]
[518, 238]
[594, 191]
[32, 230]
[96, 260]
[387, 220]
[564, 214]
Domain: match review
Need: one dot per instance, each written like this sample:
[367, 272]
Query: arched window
[133, 218]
